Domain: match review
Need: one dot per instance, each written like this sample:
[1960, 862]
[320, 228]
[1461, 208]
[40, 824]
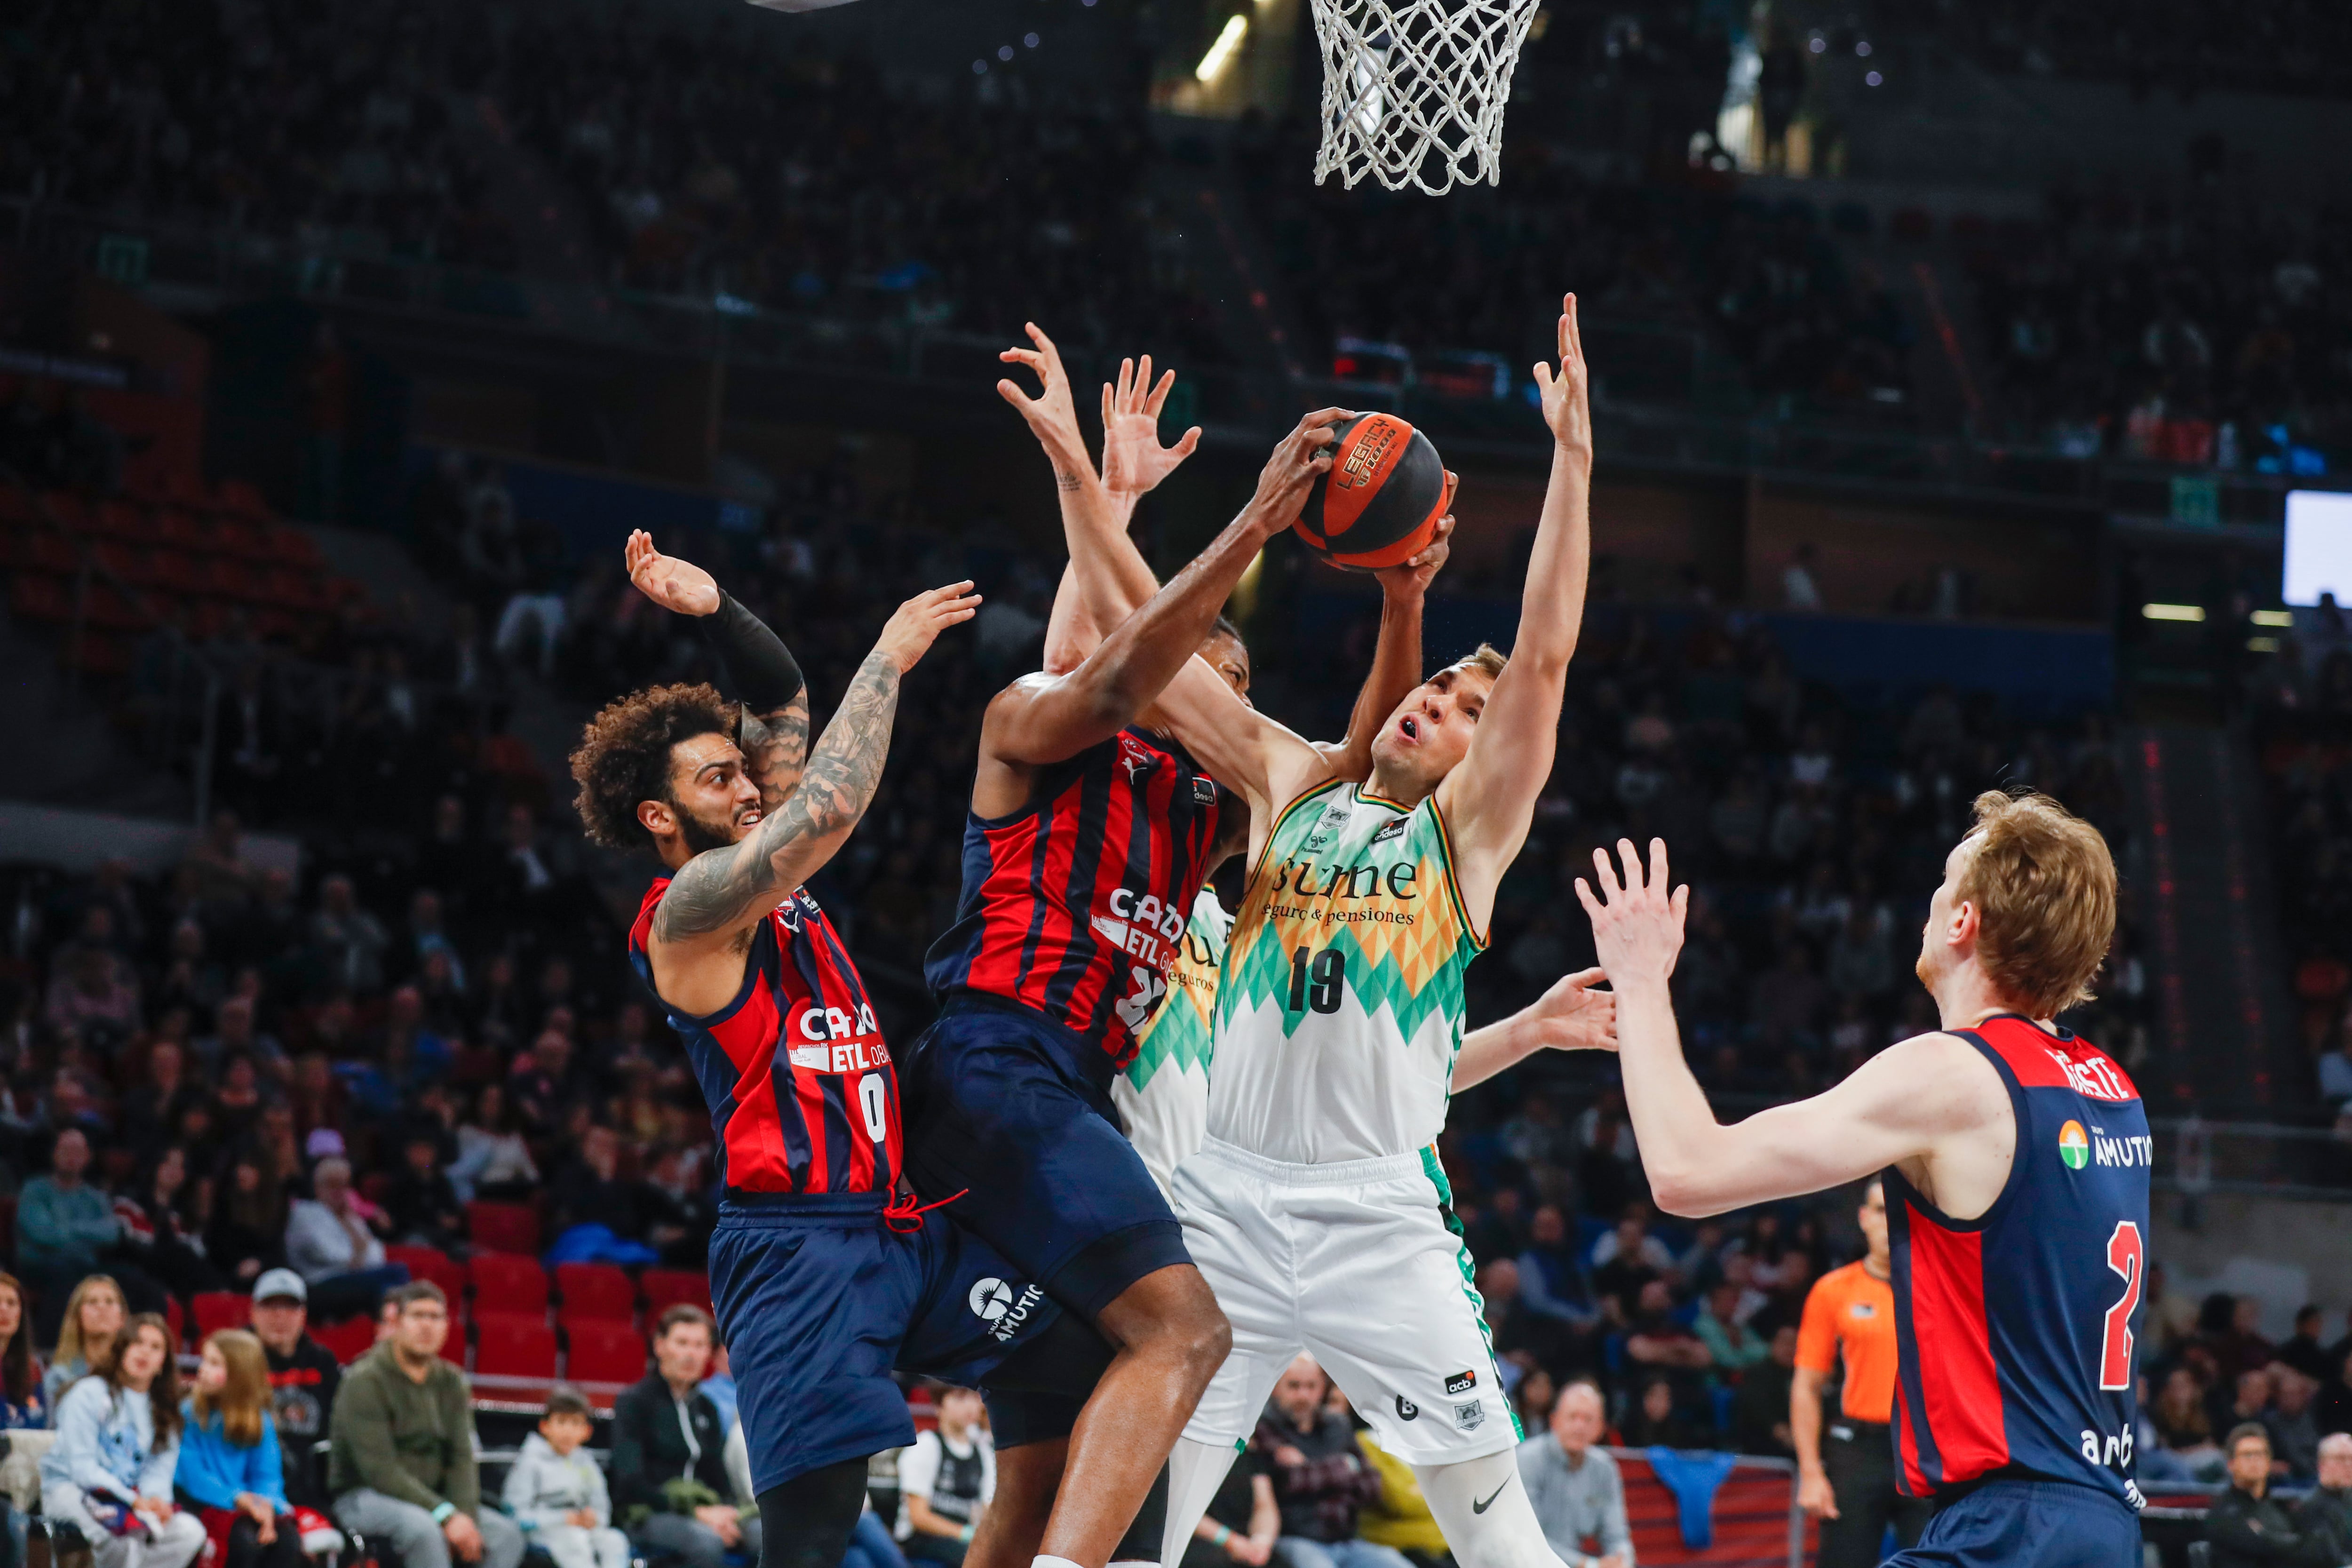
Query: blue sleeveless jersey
[2018, 1333]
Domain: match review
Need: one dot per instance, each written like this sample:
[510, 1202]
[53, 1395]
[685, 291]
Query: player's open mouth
[750, 818]
[1410, 728]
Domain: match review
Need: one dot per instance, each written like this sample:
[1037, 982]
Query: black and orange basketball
[1383, 498]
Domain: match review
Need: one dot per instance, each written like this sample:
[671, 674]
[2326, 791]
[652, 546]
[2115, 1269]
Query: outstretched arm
[1045, 719]
[1490, 799]
[1570, 1016]
[1896, 1107]
[719, 892]
[774, 695]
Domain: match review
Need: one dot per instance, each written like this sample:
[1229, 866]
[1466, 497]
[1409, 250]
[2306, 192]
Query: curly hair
[624, 755]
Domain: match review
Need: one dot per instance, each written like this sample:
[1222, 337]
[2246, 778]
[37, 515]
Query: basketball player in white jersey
[1164, 1095]
[1317, 1207]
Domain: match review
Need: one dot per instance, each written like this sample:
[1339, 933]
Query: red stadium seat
[603, 1352]
[596, 1291]
[177, 1319]
[347, 1341]
[510, 1283]
[510, 1344]
[431, 1263]
[218, 1309]
[503, 1227]
[667, 1287]
[37, 596]
[452, 1349]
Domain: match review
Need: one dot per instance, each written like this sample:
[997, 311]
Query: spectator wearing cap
[402, 1468]
[330, 1242]
[303, 1378]
[669, 1471]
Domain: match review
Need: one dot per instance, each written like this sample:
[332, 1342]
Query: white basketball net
[1413, 90]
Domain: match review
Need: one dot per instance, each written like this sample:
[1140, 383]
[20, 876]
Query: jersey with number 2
[2018, 1333]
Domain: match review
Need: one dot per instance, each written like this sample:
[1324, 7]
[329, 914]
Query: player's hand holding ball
[911, 632]
[1568, 396]
[1638, 932]
[1411, 580]
[1300, 460]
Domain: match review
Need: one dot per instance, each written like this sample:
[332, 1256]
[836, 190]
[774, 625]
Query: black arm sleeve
[758, 663]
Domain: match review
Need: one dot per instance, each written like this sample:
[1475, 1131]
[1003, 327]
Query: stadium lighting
[2173, 612]
[2273, 617]
[1221, 53]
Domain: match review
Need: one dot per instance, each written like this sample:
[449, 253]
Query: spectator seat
[502, 1228]
[602, 1351]
[513, 1344]
[431, 1263]
[218, 1309]
[510, 1285]
[667, 1287]
[595, 1290]
[347, 1341]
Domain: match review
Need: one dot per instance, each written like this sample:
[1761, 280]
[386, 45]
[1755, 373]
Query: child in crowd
[556, 1491]
[108, 1474]
[230, 1469]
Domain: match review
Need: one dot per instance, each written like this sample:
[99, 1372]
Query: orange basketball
[1383, 498]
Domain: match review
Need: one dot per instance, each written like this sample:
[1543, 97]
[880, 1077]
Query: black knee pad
[806, 1523]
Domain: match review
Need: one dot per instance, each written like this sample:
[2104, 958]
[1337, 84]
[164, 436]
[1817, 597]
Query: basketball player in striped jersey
[1316, 1206]
[823, 1276]
[2015, 1156]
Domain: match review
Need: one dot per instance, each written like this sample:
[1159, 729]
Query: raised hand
[1568, 396]
[909, 633]
[679, 587]
[1573, 1016]
[1409, 579]
[1638, 931]
[1133, 458]
[1298, 460]
[1053, 415]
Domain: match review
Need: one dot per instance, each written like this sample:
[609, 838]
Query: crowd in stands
[2177, 330]
[274, 118]
[2179, 48]
[1681, 260]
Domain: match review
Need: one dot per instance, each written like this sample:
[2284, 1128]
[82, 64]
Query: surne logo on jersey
[2094, 1077]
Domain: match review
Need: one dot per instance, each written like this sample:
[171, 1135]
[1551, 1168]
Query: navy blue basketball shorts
[818, 1300]
[2028, 1524]
[999, 1106]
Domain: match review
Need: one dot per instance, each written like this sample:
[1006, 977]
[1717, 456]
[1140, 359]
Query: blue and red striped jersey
[2018, 1333]
[1074, 905]
[800, 1086]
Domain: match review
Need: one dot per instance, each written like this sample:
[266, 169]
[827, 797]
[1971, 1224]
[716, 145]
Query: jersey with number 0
[800, 1085]
[2017, 1334]
[1163, 1095]
[1339, 1010]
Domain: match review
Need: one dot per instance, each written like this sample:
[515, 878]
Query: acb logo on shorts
[994, 1303]
[1461, 1381]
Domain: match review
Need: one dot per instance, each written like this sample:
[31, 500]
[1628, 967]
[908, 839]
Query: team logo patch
[1205, 792]
[1863, 1310]
[1471, 1416]
[1406, 1409]
[2073, 1146]
[1135, 759]
[1461, 1383]
[993, 1302]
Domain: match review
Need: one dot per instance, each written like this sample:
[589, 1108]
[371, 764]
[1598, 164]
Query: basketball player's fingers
[1680, 903]
[1633, 861]
[1606, 879]
[1141, 391]
[1126, 383]
[1109, 408]
[1045, 344]
[1585, 978]
[1567, 326]
[1658, 877]
[1543, 376]
[1592, 906]
[1029, 357]
[1015, 396]
[1159, 391]
[1322, 417]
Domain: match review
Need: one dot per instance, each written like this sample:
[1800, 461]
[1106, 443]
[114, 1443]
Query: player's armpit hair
[2044, 888]
[718, 888]
[624, 755]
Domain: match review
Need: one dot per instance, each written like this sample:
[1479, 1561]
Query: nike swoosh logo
[1482, 1507]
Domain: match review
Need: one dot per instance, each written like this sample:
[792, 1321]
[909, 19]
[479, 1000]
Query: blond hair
[1486, 658]
[2044, 889]
[70, 1344]
[242, 1401]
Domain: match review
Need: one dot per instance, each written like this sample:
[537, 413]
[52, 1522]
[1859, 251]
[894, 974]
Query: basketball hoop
[1413, 90]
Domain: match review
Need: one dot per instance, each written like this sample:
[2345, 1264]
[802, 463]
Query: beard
[702, 835]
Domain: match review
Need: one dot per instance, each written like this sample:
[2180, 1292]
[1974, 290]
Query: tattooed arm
[776, 746]
[720, 893]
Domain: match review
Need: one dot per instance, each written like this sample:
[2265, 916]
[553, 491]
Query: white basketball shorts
[1360, 1265]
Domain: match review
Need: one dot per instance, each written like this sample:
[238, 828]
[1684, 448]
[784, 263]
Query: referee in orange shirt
[1849, 1482]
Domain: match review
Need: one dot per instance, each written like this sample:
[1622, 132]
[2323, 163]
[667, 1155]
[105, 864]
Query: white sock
[1483, 1509]
[1042, 1561]
[1195, 1471]
[1134, 1562]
